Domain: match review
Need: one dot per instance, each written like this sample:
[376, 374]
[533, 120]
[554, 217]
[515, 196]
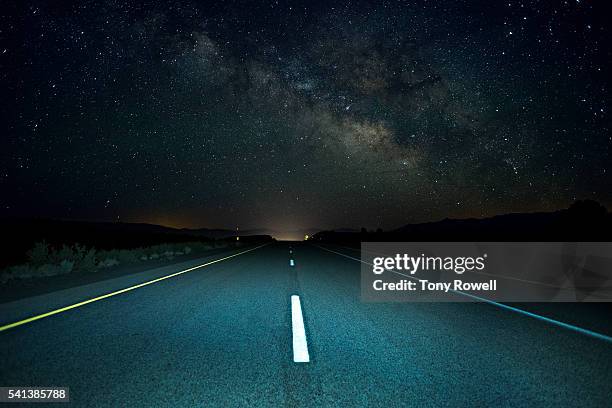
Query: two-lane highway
[222, 335]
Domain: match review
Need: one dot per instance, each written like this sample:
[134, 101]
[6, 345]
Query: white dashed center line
[300, 346]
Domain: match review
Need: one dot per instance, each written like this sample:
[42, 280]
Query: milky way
[302, 114]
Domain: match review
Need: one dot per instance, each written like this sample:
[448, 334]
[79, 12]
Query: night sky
[290, 114]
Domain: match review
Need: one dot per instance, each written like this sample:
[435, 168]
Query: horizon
[297, 234]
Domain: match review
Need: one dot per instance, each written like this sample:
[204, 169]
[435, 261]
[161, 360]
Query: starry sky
[297, 114]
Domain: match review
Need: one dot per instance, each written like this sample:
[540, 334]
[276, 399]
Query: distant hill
[583, 221]
[211, 233]
[226, 233]
[343, 230]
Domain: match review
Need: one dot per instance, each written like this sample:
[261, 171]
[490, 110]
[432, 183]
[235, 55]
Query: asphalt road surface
[221, 335]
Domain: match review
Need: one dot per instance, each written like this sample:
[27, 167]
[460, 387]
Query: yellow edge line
[118, 292]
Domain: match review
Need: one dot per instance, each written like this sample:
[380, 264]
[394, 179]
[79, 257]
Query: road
[221, 335]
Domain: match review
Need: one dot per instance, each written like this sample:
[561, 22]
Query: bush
[40, 254]
[35, 271]
[108, 262]
[17, 272]
[85, 258]
[66, 266]
[44, 261]
[125, 256]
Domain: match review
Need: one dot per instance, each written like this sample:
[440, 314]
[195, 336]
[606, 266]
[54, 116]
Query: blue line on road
[577, 329]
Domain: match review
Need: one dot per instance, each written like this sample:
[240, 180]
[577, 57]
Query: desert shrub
[40, 253]
[108, 262]
[194, 247]
[126, 256]
[199, 247]
[18, 272]
[66, 266]
[121, 256]
[45, 270]
[163, 248]
[64, 253]
[28, 271]
[84, 258]
[80, 257]
[44, 261]
[52, 270]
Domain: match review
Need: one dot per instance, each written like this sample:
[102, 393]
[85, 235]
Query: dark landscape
[322, 203]
[583, 221]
